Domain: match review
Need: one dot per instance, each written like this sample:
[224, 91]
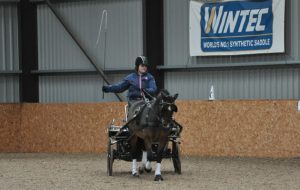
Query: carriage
[119, 148]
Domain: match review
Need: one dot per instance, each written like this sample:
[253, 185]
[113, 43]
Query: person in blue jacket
[136, 83]
[139, 84]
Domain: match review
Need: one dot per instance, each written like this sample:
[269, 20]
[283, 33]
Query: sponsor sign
[236, 27]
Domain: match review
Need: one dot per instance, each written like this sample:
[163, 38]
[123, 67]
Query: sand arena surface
[88, 171]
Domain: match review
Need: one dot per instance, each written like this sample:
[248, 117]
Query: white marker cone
[211, 93]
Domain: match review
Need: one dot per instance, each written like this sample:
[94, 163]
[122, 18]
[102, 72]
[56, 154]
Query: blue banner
[236, 26]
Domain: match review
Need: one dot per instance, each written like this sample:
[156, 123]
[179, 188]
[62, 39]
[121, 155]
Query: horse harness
[158, 116]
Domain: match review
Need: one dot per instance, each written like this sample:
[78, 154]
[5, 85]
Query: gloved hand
[105, 88]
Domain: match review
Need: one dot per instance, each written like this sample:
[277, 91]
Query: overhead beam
[78, 72]
[57, 1]
[9, 1]
[10, 73]
[231, 66]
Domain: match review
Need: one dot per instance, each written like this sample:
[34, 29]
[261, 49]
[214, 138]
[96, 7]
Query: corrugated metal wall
[235, 84]
[79, 88]
[9, 53]
[124, 41]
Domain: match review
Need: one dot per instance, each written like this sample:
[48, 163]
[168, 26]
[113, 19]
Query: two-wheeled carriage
[119, 148]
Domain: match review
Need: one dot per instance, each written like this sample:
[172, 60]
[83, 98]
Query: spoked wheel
[110, 158]
[176, 157]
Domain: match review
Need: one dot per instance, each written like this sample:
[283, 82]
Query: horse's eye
[169, 108]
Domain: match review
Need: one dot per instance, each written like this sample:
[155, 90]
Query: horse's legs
[146, 162]
[133, 151]
[144, 146]
[134, 167]
[160, 150]
[158, 163]
[141, 146]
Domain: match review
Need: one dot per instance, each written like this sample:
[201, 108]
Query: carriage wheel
[110, 158]
[176, 157]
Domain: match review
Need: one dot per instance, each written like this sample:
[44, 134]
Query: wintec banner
[236, 27]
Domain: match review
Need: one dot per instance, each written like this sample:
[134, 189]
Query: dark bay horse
[150, 121]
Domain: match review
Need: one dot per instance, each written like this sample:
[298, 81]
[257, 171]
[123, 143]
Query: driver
[135, 83]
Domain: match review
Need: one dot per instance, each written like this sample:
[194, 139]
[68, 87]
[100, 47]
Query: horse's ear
[163, 96]
[175, 96]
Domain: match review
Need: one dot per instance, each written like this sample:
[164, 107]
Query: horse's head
[167, 106]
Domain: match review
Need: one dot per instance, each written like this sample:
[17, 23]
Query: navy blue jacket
[132, 83]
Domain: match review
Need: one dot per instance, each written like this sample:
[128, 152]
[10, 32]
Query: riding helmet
[141, 60]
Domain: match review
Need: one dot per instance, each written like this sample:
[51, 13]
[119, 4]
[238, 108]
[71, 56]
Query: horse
[150, 121]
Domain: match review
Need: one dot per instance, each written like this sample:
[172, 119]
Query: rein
[148, 94]
[166, 103]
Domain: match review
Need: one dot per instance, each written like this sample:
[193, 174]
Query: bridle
[166, 106]
[163, 105]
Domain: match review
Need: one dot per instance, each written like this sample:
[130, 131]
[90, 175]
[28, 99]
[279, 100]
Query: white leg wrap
[134, 166]
[144, 158]
[145, 161]
[157, 170]
[148, 165]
